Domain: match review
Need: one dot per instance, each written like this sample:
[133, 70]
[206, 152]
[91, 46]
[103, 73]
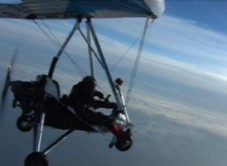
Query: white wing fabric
[60, 9]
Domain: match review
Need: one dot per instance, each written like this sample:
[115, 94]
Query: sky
[178, 103]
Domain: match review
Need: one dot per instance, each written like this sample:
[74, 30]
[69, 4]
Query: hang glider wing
[60, 9]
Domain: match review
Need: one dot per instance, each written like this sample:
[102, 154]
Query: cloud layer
[180, 85]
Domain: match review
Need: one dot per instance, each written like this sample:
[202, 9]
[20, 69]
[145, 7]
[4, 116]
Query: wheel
[36, 159]
[124, 145]
[24, 124]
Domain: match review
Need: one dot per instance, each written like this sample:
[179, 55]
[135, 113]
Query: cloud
[176, 49]
[183, 72]
[179, 39]
[193, 39]
[183, 40]
[201, 119]
[181, 50]
[186, 37]
[10, 1]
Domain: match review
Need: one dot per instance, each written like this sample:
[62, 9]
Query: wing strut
[55, 59]
[104, 64]
[90, 51]
[136, 64]
[38, 129]
[100, 56]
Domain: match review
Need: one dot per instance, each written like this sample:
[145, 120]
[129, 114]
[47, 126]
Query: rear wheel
[124, 145]
[36, 159]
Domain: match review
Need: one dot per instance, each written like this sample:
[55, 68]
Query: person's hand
[64, 99]
[99, 95]
[113, 105]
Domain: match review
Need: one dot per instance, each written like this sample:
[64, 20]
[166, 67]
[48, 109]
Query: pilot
[82, 99]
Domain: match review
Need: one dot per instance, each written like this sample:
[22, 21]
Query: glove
[64, 99]
[109, 105]
[117, 110]
[112, 105]
[99, 94]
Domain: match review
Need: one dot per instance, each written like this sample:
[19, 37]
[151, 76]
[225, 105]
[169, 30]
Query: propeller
[7, 81]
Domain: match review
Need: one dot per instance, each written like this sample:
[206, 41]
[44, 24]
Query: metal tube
[54, 62]
[55, 143]
[90, 52]
[38, 133]
[105, 66]
[90, 46]
[123, 104]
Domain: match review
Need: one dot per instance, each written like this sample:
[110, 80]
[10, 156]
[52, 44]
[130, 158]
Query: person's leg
[58, 116]
[99, 119]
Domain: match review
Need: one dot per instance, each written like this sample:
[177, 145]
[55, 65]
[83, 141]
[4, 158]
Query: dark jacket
[81, 98]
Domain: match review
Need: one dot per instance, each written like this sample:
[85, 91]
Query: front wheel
[124, 145]
[23, 124]
[36, 159]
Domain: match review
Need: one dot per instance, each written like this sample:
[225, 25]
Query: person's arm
[98, 94]
[103, 104]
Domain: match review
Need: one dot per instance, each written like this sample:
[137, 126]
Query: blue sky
[179, 94]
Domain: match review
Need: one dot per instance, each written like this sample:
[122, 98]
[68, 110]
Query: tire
[36, 159]
[23, 124]
[124, 145]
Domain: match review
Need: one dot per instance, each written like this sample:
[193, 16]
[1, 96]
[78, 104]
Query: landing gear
[36, 159]
[124, 145]
[25, 123]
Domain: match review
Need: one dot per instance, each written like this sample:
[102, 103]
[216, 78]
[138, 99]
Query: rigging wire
[136, 64]
[54, 39]
[126, 52]
[122, 56]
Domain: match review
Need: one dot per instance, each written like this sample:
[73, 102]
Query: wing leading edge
[55, 9]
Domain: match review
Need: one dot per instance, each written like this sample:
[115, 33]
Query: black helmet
[89, 82]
